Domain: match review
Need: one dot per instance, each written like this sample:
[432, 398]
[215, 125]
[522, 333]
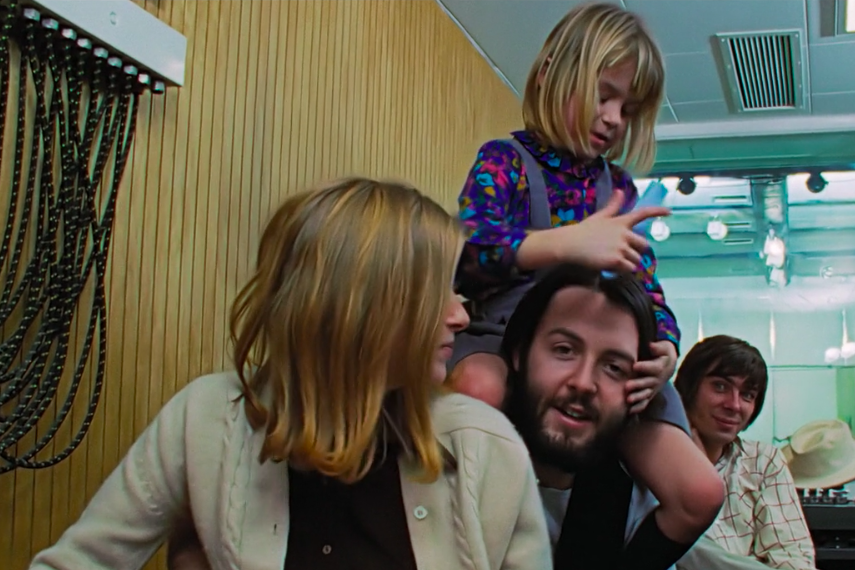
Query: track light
[716, 229]
[686, 185]
[659, 230]
[816, 183]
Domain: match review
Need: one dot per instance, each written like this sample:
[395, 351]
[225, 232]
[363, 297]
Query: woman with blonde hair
[332, 445]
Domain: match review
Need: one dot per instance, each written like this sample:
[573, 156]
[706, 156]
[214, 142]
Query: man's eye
[617, 371]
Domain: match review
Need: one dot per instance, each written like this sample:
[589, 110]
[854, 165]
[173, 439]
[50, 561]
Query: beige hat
[821, 455]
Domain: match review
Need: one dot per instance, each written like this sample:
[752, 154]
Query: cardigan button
[420, 513]
[326, 549]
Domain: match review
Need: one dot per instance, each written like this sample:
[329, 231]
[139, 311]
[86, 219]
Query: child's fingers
[640, 214]
[642, 391]
[636, 242]
[662, 348]
[653, 367]
[632, 256]
[639, 406]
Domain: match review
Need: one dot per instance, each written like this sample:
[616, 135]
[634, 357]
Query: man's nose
[732, 400]
[582, 378]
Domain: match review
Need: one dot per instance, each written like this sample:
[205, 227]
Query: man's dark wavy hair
[622, 290]
[725, 357]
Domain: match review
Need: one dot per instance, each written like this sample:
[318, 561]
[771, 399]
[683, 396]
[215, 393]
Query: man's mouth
[727, 422]
[576, 414]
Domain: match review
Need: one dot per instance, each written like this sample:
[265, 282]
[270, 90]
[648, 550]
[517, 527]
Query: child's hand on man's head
[651, 375]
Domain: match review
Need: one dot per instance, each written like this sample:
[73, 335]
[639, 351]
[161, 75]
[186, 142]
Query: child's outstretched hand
[651, 375]
[605, 240]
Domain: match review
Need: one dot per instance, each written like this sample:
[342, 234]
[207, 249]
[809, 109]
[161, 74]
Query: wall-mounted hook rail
[126, 31]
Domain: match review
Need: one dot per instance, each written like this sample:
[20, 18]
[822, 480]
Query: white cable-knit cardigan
[198, 461]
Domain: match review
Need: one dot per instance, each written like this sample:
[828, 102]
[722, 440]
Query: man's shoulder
[762, 458]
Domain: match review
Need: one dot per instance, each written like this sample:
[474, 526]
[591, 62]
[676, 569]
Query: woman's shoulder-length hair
[340, 322]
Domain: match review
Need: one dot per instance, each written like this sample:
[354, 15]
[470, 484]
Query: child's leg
[482, 376]
[690, 491]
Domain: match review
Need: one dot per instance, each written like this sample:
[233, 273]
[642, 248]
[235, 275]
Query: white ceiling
[698, 128]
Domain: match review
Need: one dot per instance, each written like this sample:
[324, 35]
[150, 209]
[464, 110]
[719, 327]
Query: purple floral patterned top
[494, 208]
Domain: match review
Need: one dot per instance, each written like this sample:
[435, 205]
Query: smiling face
[723, 407]
[722, 382]
[581, 355]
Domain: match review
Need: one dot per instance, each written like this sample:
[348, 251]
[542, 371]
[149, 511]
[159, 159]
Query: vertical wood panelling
[278, 95]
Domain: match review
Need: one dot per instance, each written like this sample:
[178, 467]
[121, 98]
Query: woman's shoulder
[454, 413]
[212, 388]
[205, 403]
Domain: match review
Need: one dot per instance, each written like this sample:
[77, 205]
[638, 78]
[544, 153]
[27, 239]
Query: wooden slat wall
[278, 95]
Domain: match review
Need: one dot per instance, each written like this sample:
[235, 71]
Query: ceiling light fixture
[816, 183]
[686, 186]
[659, 230]
[716, 229]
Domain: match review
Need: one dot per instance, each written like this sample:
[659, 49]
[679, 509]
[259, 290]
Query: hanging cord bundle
[74, 118]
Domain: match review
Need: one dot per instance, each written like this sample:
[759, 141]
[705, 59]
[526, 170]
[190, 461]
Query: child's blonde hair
[588, 40]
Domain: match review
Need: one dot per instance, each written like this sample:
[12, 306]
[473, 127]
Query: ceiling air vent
[764, 70]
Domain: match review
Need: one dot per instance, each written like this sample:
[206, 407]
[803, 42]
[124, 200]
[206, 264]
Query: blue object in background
[653, 196]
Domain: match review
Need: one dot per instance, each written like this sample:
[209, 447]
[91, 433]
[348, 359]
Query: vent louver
[764, 70]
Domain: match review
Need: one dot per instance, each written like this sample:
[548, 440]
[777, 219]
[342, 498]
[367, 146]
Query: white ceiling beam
[771, 126]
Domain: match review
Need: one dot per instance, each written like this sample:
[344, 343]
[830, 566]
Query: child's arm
[660, 455]
[690, 492]
[664, 458]
[645, 272]
[651, 375]
[494, 207]
[666, 324]
[492, 190]
[604, 240]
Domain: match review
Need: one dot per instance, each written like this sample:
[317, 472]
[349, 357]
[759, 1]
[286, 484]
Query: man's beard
[555, 450]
